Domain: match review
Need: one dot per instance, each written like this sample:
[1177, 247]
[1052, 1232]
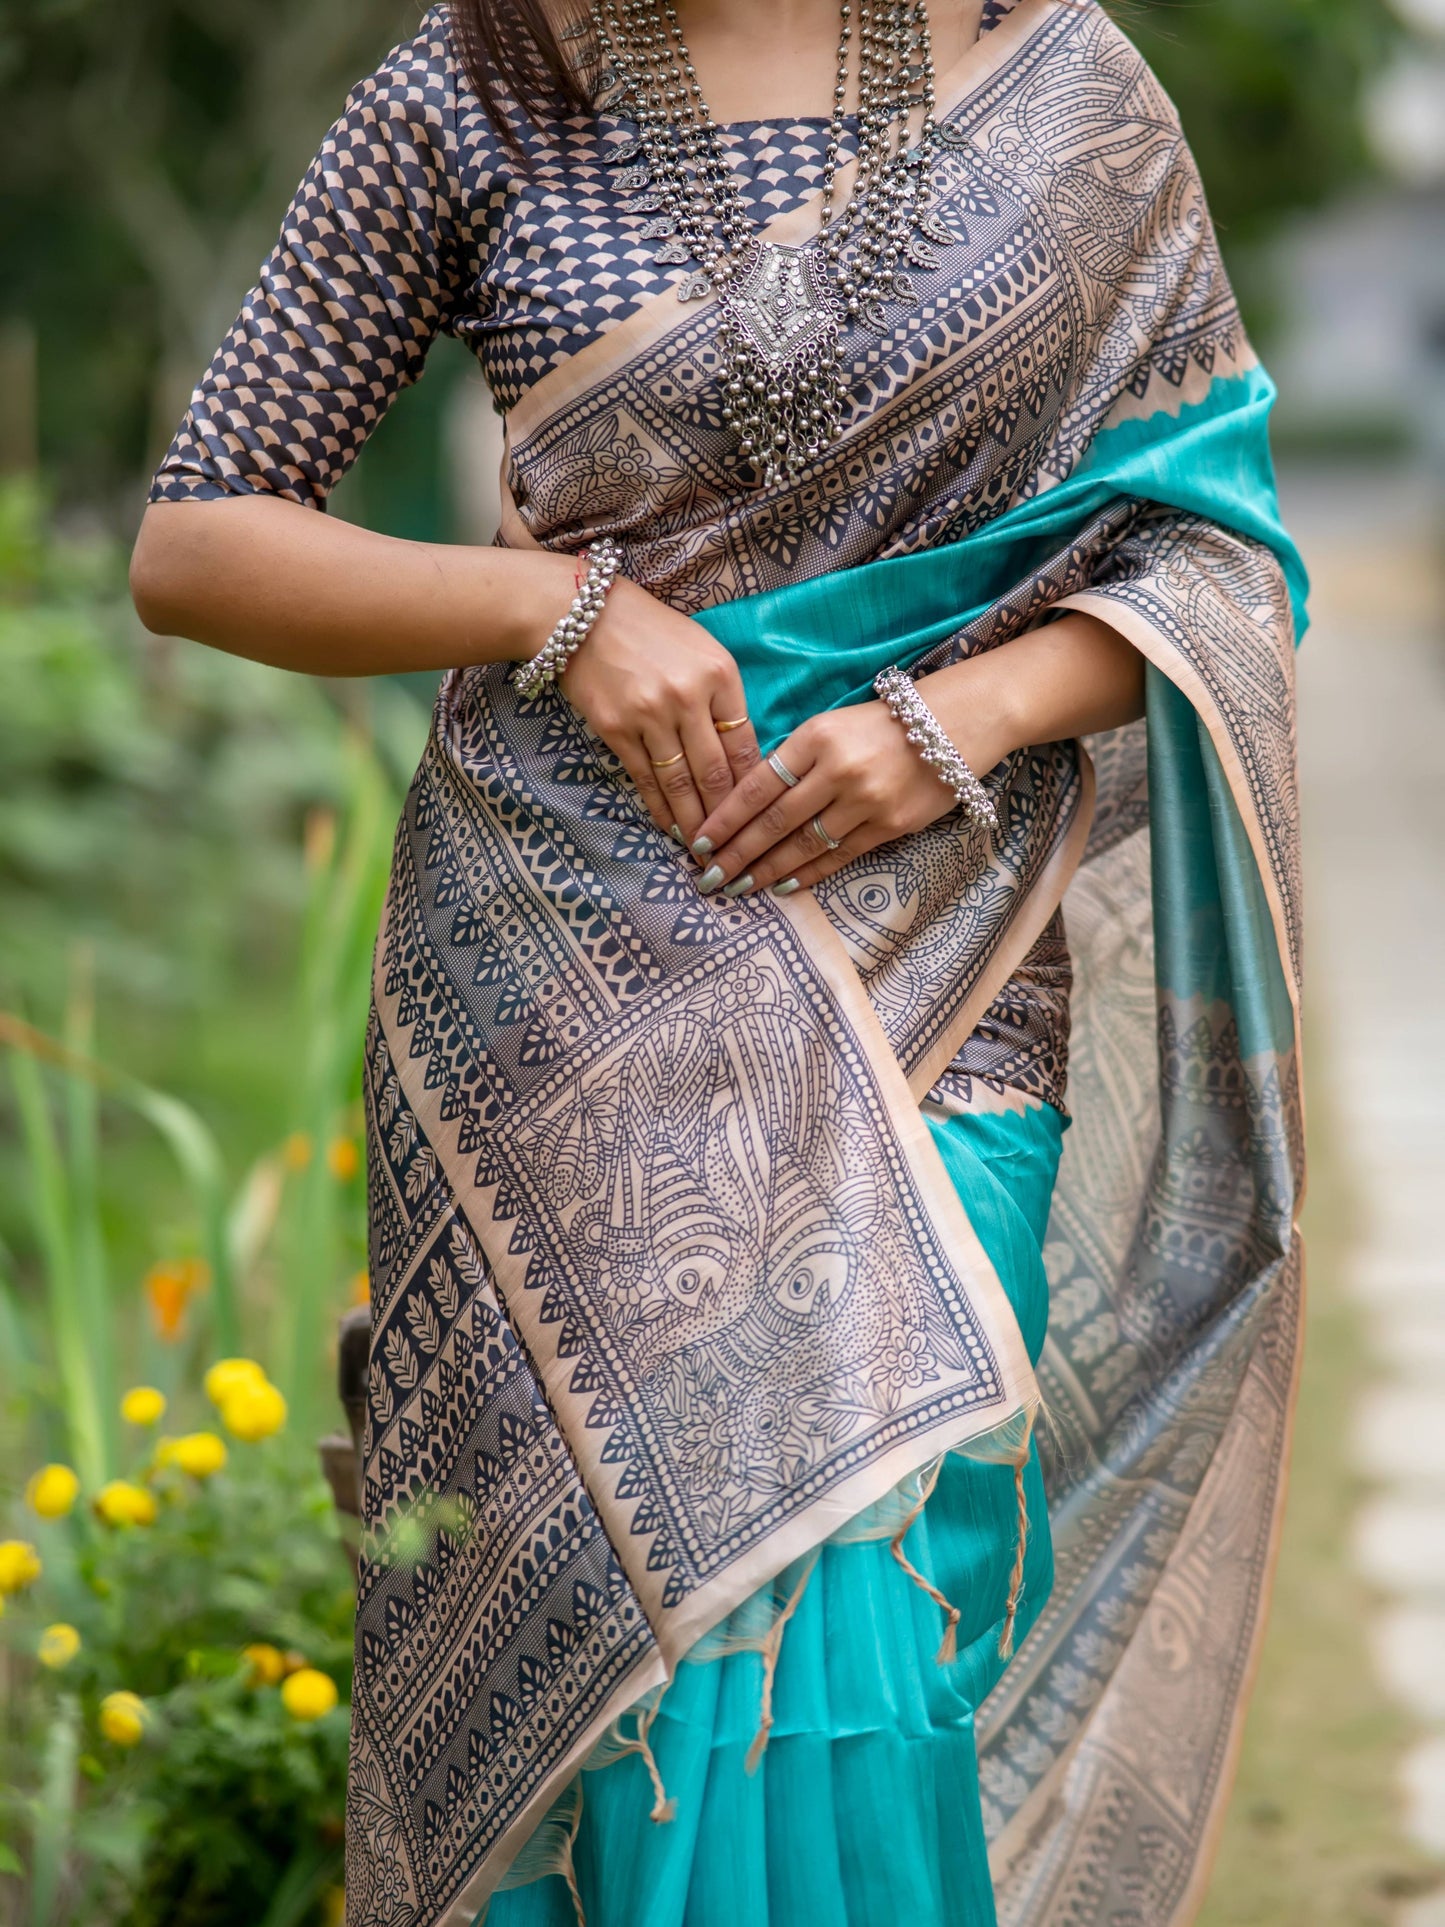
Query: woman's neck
[777, 59]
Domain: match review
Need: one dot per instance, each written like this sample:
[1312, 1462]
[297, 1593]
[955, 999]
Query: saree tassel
[568, 1867]
[1016, 1577]
[663, 1809]
[948, 1650]
[772, 1647]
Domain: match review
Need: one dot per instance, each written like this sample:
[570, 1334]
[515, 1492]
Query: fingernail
[678, 837]
[786, 887]
[738, 884]
[709, 880]
[703, 846]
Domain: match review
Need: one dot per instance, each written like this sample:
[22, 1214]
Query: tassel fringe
[948, 1650]
[1016, 1577]
[568, 1869]
[663, 1809]
[772, 1646]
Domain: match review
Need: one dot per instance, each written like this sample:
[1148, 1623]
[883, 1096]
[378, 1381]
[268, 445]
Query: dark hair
[514, 58]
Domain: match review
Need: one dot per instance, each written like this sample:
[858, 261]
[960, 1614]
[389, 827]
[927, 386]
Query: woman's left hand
[859, 780]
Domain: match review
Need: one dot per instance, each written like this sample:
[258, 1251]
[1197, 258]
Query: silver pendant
[902, 286]
[875, 314]
[672, 254]
[658, 228]
[780, 304]
[951, 134]
[627, 150]
[642, 204]
[921, 258]
[632, 177]
[693, 287]
[934, 228]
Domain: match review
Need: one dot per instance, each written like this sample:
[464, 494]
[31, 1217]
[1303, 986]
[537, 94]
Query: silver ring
[781, 770]
[823, 836]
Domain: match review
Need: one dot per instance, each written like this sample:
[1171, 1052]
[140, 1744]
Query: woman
[879, 421]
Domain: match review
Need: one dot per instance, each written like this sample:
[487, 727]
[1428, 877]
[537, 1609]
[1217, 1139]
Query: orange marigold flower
[361, 1287]
[343, 1159]
[296, 1151]
[169, 1288]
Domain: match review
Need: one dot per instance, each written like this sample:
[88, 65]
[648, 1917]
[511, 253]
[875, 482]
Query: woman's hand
[863, 783]
[668, 701]
[859, 780]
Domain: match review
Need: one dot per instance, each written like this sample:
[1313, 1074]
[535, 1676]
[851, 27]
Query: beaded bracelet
[604, 559]
[897, 689]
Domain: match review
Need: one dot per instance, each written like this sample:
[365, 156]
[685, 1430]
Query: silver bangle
[604, 559]
[897, 689]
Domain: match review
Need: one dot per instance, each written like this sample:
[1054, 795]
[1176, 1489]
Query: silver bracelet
[604, 559]
[927, 735]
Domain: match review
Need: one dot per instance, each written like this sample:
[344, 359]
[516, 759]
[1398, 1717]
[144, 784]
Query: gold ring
[737, 724]
[668, 761]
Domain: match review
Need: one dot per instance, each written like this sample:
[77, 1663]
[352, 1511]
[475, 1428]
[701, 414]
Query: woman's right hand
[654, 685]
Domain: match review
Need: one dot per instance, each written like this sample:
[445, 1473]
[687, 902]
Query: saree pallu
[670, 1279]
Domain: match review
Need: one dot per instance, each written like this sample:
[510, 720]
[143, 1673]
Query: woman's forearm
[266, 578]
[1073, 676]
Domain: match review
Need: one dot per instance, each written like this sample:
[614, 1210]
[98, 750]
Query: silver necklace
[781, 309]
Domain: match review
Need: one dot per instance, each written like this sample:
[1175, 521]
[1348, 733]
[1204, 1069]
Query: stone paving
[1373, 771]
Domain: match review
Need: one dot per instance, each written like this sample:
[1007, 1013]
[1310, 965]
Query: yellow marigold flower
[267, 1663]
[143, 1405]
[296, 1151]
[253, 1411]
[52, 1491]
[123, 1718]
[228, 1374]
[343, 1160]
[58, 1645]
[199, 1453]
[308, 1695]
[361, 1287]
[19, 1565]
[122, 1503]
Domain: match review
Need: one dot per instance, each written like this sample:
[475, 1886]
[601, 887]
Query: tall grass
[281, 1244]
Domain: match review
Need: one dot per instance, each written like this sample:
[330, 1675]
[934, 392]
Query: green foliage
[227, 1804]
[1270, 94]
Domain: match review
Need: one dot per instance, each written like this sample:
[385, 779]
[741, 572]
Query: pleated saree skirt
[813, 1764]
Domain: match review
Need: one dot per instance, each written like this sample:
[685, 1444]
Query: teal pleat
[864, 1810]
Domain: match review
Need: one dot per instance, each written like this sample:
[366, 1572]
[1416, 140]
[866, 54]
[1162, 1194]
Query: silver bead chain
[604, 559]
[898, 690]
[781, 310]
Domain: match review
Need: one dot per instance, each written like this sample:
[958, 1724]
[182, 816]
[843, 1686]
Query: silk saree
[711, 1239]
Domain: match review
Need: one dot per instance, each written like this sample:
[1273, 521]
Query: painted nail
[703, 846]
[709, 880]
[786, 887]
[738, 885]
[678, 837]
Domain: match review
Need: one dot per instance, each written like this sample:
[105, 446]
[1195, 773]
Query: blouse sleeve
[365, 274]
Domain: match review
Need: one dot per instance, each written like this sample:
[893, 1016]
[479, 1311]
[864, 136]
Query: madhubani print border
[1247, 688]
[401, 1838]
[421, 982]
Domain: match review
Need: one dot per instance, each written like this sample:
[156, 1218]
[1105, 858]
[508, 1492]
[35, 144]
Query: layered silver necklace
[782, 309]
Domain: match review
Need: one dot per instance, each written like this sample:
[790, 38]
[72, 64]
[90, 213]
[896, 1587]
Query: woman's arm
[867, 783]
[263, 577]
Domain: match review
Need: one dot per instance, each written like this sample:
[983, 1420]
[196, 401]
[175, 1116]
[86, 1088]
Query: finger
[763, 857]
[805, 847]
[857, 843]
[734, 727]
[707, 758]
[671, 772]
[760, 793]
[633, 757]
